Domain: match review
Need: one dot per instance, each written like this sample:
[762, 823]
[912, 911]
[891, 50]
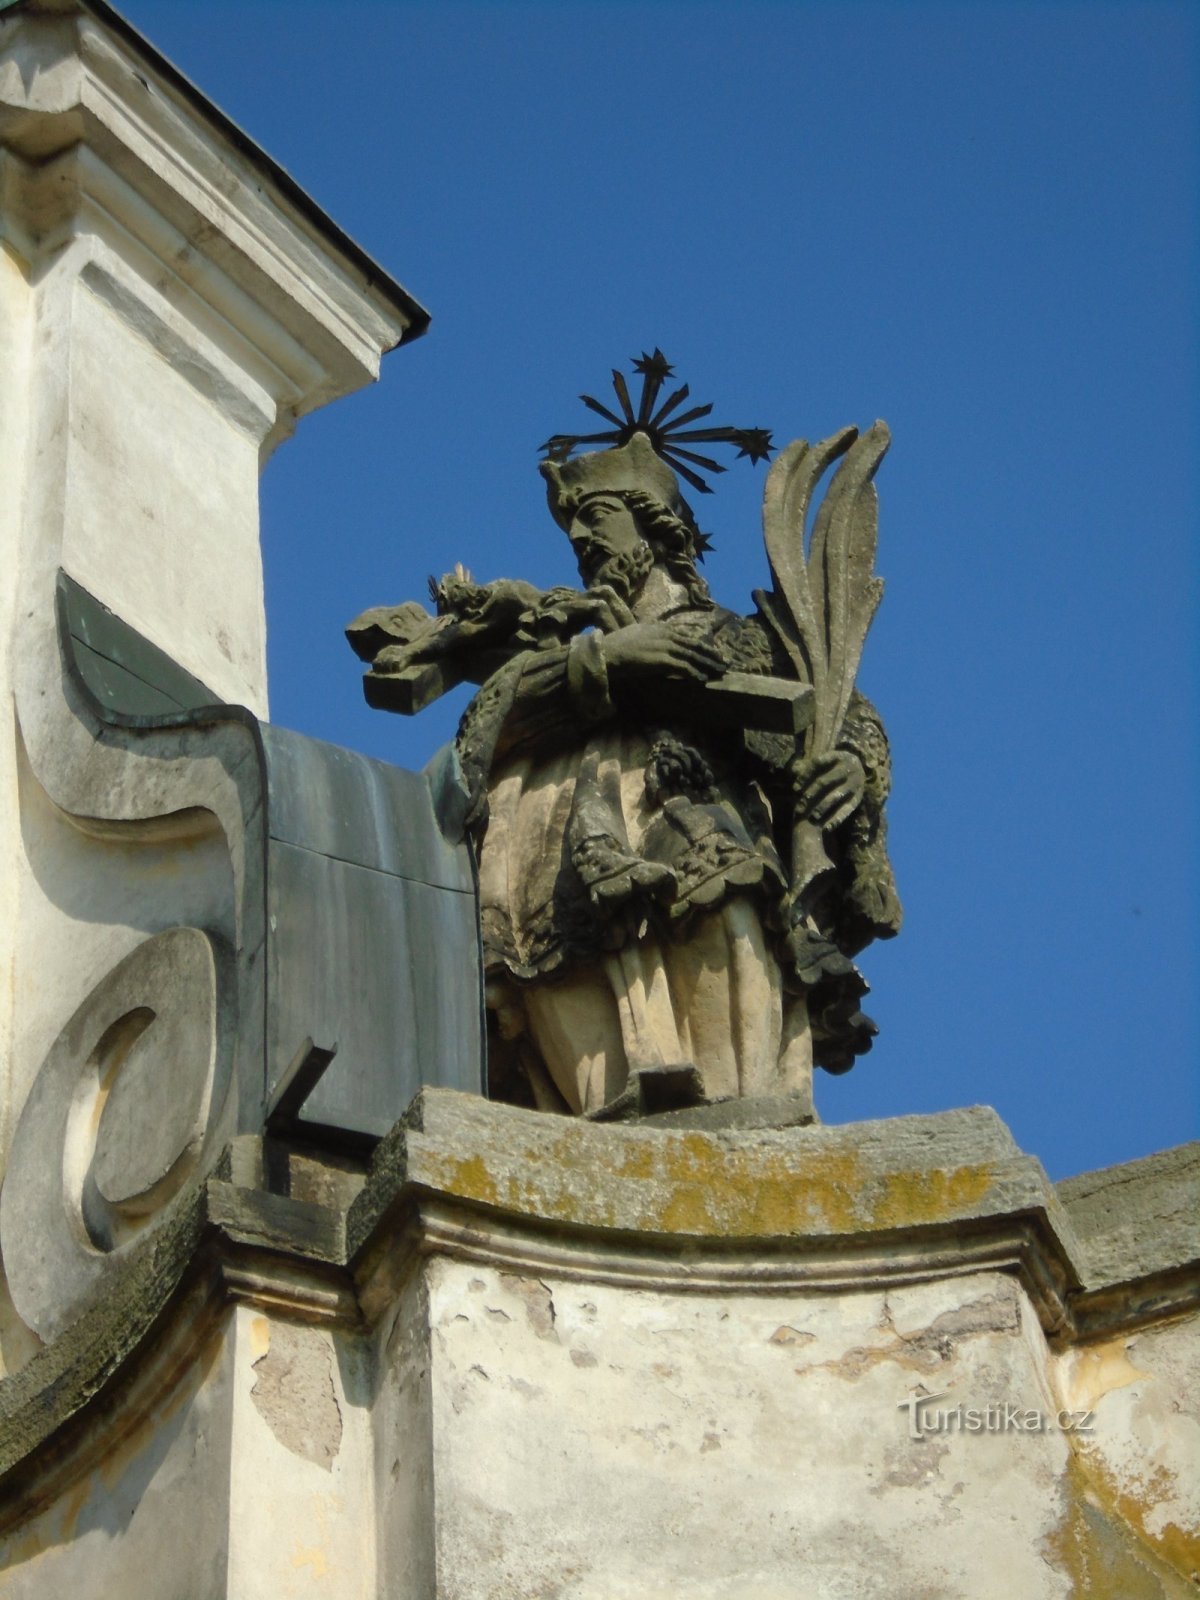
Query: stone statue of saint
[678, 811]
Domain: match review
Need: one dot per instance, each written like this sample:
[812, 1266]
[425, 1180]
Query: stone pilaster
[170, 304]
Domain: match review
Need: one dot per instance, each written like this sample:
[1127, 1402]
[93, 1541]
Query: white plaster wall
[129, 443]
[539, 1437]
[609, 1443]
[404, 1461]
[151, 1520]
[86, 901]
[302, 1495]
[138, 484]
[15, 324]
[250, 1478]
[161, 509]
[178, 313]
[1141, 1457]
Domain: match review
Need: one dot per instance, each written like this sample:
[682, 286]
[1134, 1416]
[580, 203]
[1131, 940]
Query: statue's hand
[654, 649]
[828, 788]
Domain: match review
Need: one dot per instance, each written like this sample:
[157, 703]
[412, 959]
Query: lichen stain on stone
[1096, 1547]
[931, 1195]
[636, 1163]
[1178, 1548]
[1087, 1375]
[293, 1393]
[469, 1176]
[771, 1193]
[1086, 1378]
[691, 1183]
[311, 1555]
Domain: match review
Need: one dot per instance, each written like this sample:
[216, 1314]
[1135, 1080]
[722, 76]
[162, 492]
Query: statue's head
[624, 514]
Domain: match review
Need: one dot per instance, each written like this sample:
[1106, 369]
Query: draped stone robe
[632, 888]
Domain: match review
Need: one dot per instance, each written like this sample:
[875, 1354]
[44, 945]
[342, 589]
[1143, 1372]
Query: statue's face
[608, 543]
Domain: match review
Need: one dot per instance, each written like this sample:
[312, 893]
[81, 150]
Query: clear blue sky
[978, 221]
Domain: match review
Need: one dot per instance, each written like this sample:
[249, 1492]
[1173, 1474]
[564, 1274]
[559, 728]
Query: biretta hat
[631, 466]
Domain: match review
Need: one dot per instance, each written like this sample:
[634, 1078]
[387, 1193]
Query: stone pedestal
[522, 1355]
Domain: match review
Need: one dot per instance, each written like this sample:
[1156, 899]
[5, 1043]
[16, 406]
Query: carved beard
[625, 571]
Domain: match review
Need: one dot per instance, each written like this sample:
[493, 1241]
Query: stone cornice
[771, 1211]
[100, 135]
[411, 313]
[807, 1210]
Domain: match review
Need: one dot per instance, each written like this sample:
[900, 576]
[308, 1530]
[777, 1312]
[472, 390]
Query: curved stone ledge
[820, 1181]
[819, 1211]
[910, 1195]
[68, 1410]
[76, 1372]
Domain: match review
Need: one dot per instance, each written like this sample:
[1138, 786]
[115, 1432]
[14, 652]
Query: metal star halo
[666, 428]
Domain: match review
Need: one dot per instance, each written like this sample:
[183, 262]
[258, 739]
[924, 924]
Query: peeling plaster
[293, 1393]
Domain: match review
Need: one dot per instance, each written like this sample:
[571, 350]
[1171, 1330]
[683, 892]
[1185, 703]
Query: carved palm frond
[786, 499]
[823, 602]
[841, 565]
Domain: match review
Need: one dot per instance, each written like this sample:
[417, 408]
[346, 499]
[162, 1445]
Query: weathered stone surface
[149, 1513]
[115, 1125]
[592, 1441]
[764, 1111]
[469, 1388]
[293, 1393]
[302, 1488]
[1139, 1461]
[586, 1408]
[800, 1182]
[1137, 1219]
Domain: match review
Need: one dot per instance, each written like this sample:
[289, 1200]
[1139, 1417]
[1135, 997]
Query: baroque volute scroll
[677, 810]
